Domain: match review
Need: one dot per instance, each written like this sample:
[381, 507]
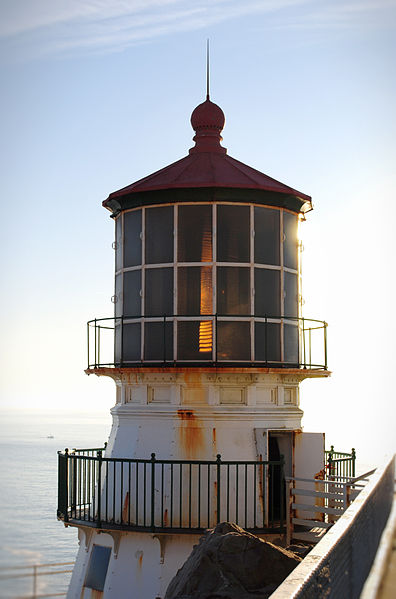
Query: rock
[230, 563]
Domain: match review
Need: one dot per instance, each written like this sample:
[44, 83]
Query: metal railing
[316, 504]
[339, 463]
[170, 495]
[33, 572]
[339, 565]
[109, 341]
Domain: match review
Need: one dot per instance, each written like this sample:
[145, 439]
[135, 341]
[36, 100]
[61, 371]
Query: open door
[271, 445]
[309, 452]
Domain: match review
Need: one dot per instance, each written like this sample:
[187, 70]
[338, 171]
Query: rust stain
[125, 508]
[193, 378]
[166, 517]
[186, 414]
[140, 561]
[260, 475]
[191, 436]
[214, 440]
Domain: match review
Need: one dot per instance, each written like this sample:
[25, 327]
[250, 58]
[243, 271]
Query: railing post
[88, 343]
[325, 344]
[289, 511]
[63, 491]
[122, 342]
[99, 518]
[330, 463]
[74, 473]
[152, 489]
[347, 495]
[96, 357]
[303, 335]
[218, 463]
[265, 339]
[99, 345]
[282, 491]
[164, 339]
[216, 338]
[353, 461]
[34, 582]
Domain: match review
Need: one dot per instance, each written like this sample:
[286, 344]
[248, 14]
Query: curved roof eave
[205, 170]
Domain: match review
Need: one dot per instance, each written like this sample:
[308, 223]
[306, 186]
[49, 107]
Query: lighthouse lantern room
[207, 348]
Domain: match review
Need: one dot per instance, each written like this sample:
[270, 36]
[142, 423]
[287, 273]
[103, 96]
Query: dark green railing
[339, 463]
[169, 495]
[110, 341]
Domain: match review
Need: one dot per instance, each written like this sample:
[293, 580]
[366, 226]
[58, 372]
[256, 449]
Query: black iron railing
[269, 341]
[339, 463]
[169, 495]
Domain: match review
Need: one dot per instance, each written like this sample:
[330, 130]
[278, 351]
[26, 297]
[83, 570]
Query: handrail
[35, 570]
[340, 463]
[170, 495]
[309, 347]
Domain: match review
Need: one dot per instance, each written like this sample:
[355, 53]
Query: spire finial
[207, 69]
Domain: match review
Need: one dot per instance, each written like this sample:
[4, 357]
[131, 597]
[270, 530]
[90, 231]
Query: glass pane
[267, 342]
[159, 291]
[132, 238]
[291, 294]
[118, 239]
[131, 293]
[290, 245]
[159, 235]
[118, 295]
[131, 343]
[233, 341]
[158, 341]
[291, 345]
[194, 287]
[266, 292]
[194, 234]
[233, 290]
[266, 236]
[194, 340]
[233, 234]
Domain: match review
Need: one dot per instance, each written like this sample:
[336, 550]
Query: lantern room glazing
[207, 283]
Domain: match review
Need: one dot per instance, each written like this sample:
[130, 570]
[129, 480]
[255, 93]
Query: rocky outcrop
[230, 563]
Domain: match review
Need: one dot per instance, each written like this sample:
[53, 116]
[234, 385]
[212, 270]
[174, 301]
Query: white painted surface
[189, 416]
[141, 569]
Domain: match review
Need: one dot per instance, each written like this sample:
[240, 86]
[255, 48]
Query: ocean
[29, 530]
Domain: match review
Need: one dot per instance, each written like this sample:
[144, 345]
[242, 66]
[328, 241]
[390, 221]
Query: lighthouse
[207, 347]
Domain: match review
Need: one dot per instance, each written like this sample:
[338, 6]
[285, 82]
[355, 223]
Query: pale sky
[97, 94]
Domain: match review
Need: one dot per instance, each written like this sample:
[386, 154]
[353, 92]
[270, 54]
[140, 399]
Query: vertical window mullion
[252, 258]
[214, 276]
[143, 283]
[282, 286]
[175, 278]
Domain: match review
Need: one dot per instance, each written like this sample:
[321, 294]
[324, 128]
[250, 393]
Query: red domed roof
[207, 166]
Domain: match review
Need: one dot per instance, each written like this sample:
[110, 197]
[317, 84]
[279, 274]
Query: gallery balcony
[216, 340]
[174, 496]
[179, 496]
